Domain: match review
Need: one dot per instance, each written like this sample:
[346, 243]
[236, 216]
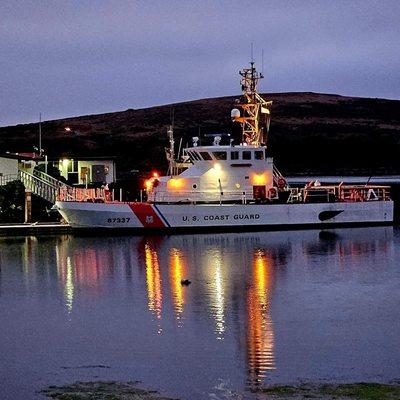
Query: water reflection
[65, 272]
[177, 272]
[260, 334]
[153, 281]
[225, 270]
[217, 300]
[234, 282]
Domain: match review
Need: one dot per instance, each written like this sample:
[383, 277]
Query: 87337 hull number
[118, 220]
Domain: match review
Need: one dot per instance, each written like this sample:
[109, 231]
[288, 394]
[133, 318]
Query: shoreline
[112, 390]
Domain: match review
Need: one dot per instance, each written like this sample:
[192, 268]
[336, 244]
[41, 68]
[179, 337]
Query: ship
[228, 182]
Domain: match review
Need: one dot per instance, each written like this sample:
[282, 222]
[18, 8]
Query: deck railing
[278, 176]
[340, 193]
[68, 193]
[196, 197]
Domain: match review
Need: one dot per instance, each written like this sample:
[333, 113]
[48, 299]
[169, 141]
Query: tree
[12, 199]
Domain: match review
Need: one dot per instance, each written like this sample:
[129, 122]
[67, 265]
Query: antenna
[252, 55]
[179, 148]
[255, 108]
[170, 134]
[40, 134]
[262, 61]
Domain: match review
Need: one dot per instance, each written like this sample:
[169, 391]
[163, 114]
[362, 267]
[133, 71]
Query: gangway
[41, 184]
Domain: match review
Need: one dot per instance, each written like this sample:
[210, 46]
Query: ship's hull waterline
[168, 217]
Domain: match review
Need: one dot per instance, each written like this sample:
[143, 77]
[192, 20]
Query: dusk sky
[69, 58]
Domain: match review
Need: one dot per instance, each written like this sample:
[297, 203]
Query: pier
[36, 228]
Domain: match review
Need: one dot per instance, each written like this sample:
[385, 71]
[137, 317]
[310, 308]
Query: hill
[310, 133]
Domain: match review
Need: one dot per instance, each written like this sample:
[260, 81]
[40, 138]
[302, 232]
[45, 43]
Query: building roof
[84, 158]
[22, 156]
[36, 157]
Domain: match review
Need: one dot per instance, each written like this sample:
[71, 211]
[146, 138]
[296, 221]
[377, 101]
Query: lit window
[220, 155]
[70, 166]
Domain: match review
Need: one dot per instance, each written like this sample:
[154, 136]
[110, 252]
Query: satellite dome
[235, 113]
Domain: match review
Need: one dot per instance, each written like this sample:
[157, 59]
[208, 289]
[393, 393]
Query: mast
[255, 110]
[40, 134]
[171, 151]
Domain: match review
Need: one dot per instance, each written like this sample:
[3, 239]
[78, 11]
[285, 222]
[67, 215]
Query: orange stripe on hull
[147, 215]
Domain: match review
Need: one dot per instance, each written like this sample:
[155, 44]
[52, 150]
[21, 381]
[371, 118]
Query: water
[261, 308]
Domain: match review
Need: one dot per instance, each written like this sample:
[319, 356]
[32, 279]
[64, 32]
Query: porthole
[194, 186]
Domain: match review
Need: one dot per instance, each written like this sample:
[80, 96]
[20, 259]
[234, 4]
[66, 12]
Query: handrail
[193, 197]
[38, 186]
[49, 179]
[68, 193]
[340, 193]
[278, 175]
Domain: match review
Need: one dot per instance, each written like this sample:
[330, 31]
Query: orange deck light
[174, 183]
[259, 179]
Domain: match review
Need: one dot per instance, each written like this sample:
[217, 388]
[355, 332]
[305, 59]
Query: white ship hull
[144, 216]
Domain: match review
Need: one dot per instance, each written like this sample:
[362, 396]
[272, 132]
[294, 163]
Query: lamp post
[40, 135]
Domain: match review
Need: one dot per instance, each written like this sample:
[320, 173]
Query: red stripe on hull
[147, 215]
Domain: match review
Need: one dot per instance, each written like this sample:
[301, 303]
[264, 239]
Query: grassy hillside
[310, 132]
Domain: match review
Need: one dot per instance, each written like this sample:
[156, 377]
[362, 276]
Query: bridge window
[193, 155]
[259, 155]
[234, 155]
[196, 156]
[246, 155]
[220, 155]
[206, 156]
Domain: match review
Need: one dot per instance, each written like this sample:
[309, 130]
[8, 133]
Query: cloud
[72, 58]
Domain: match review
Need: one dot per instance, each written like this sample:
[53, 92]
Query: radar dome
[235, 113]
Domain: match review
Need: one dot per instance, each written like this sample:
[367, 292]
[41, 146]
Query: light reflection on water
[260, 334]
[177, 272]
[237, 323]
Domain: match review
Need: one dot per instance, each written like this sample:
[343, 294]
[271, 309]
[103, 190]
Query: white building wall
[109, 165]
[8, 166]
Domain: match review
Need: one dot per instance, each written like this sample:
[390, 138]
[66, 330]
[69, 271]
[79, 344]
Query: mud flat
[130, 391]
[101, 391]
[348, 391]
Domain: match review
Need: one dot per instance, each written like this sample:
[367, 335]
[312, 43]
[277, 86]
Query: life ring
[281, 183]
[273, 193]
